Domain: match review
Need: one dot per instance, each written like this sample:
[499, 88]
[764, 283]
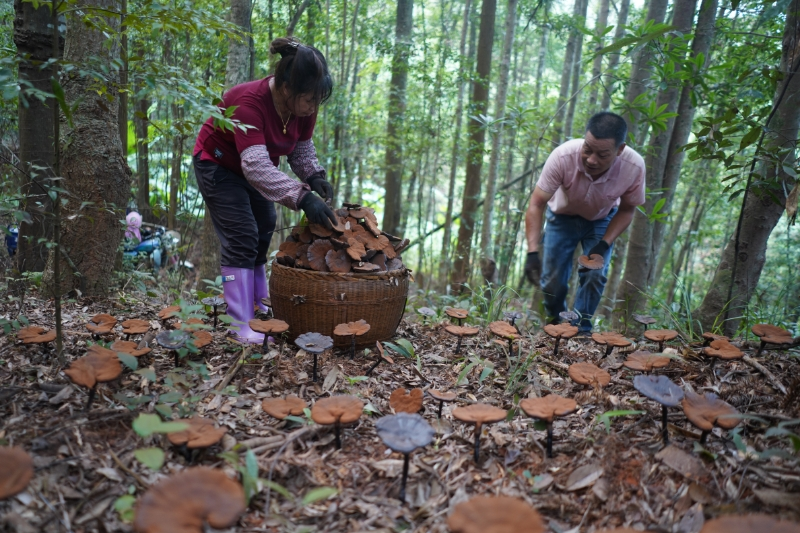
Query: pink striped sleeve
[303, 160]
[273, 184]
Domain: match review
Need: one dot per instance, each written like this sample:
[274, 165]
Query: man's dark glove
[317, 211]
[600, 249]
[533, 268]
[320, 185]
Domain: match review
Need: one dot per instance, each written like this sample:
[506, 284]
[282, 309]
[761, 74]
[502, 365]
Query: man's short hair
[607, 125]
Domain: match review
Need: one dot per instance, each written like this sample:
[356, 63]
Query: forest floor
[606, 472]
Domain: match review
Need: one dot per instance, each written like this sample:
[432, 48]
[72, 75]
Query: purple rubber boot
[238, 286]
[261, 287]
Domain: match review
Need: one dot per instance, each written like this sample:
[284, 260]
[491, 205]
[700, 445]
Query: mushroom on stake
[214, 302]
[569, 316]
[97, 366]
[130, 348]
[182, 503]
[381, 357]
[280, 408]
[461, 332]
[660, 336]
[353, 330]
[548, 408]
[458, 314]
[560, 331]
[662, 390]
[101, 324]
[644, 320]
[479, 414]
[169, 312]
[16, 470]
[335, 411]
[770, 334]
[645, 361]
[589, 374]
[707, 410]
[722, 349]
[201, 433]
[269, 327]
[404, 433]
[512, 316]
[173, 340]
[708, 338]
[315, 344]
[134, 326]
[506, 331]
[36, 335]
[442, 397]
[495, 514]
[406, 401]
[610, 340]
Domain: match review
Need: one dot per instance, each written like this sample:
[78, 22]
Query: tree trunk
[444, 266]
[665, 251]
[237, 71]
[537, 88]
[33, 38]
[577, 69]
[296, 17]
[96, 174]
[123, 82]
[615, 275]
[597, 64]
[566, 74]
[477, 136]
[704, 35]
[694, 224]
[488, 262]
[641, 255]
[640, 72]
[740, 266]
[396, 112]
[141, 121]
[613, 59]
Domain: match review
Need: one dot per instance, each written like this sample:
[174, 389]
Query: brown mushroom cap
[495, 514]
[548, 407]
[714, 337]
[773, 339]
[357, 328]
[269, 326]
[280, 408]
[645, 361]
[768, 330]
[660, 335]
[611, 338]
[365, 268]
[563, 331]
[462, 331]
[589, 374]
[36, 335]
[456, 312]
[750, 523]
[316, 254]
[442, 395]
[343, 408]
[706, 410]
[724, 350]
[101, 324]
[135, 326]
[130, 348]
[169, 312]
[98, 365]
[16, 471]
[201, 339]
[338, 261]
[503, 329]
[382, 353]
[184, 501]
[201, 433]
[404, 401]
[479, 414]
[593, 262]
[356, 250]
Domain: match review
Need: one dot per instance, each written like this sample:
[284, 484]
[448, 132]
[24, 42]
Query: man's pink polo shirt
[575, 193]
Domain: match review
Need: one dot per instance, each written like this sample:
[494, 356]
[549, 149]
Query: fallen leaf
[682, 462]
[110, 473]
[584, 476]
[779, 498]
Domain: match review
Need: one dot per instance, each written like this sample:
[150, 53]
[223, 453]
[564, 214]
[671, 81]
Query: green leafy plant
[606, 417]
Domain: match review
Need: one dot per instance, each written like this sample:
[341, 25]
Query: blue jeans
[562, 235]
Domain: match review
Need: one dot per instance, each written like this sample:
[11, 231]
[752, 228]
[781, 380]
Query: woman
[237, 171]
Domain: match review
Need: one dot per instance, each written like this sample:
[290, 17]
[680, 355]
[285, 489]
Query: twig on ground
[769, 375]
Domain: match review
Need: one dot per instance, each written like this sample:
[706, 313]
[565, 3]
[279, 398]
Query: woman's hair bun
[285, 46]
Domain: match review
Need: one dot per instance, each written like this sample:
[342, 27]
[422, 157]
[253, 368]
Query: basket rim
[399, 273]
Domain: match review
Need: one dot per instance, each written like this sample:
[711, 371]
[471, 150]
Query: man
[588, 191]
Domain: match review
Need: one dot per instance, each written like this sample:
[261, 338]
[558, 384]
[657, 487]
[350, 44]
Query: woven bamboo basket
[319, 301]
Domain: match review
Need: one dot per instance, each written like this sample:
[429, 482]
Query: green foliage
[606, 417]
[145, 425]
[152, 458]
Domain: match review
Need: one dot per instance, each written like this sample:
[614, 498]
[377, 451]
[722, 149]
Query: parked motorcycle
[12, 234]
[152, 243]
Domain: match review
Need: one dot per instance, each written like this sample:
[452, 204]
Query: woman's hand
[320, 186]
[317, 211]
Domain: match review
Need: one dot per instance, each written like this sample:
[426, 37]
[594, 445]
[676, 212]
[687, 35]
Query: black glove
[533, 268]
[320, 185]
[317, 211]
[600, 249]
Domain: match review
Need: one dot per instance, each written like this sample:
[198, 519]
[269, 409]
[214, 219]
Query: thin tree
[613, 59]
[597, 62]
[577, 70]
[566, 74]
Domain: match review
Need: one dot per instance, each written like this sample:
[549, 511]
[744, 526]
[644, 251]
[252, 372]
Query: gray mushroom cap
[426, 311]
[659, 388]
[314, 342]
[516, 315]
[404, 432]
[172, 339]
[644, 319]
[568, 315]
[213, 301]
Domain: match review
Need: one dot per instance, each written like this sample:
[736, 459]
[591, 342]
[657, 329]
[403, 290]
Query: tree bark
[141, 121]
[641, 255]
[33, 38]
[123, 82]
[597, 63]
[96, 174]
[477, 136]
[694, 224]
[488, 263]
[566, 75]
[397, 107]
[609, 301]
[613, 59]
[665, 251]
[577, 69]
[742, 260]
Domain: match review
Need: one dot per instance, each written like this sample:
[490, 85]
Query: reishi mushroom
[506, 331]
[568, 316]
[183, 502]
[200, 339]
[460, 332]
[173, 340]
[644, 320]
[479, 414]
[336, 411]
[214, 302]
[16, 470]
[547, 408]
[353, 330]
[269, 327]
[645, 361]
[495, 514]
[707, 410]
[36, 335]
[315, 344]
[660, 336]
[442, 397]
[200, 433]
[592, 262]
[722, 349]
[560, 331]
[134, 326]
[280, 408]
[381, 357]
[512, 316]
[130, 348]
[770, 334]
[169, 312]
[97, 366]
[708, 337]
[589, 374]
[406, 401]
[457, 313]
[101, 324]
[610, 340]
[404, 433]
[662, 390]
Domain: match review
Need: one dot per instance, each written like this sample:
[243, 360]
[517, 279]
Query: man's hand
[320, 185]
[317, 211]
[600, 249]
[533, 268]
